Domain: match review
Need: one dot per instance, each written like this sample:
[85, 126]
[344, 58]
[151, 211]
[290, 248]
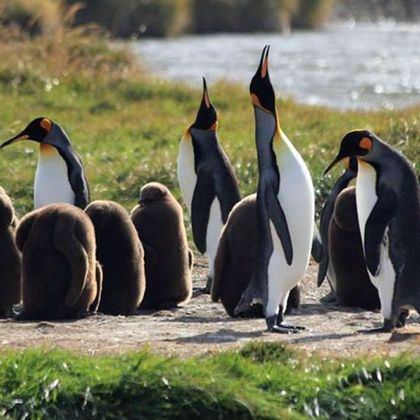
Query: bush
[242, 15]
[31, 16]
[314, 13]
[127, 18]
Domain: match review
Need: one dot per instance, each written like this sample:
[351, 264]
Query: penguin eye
[46, 124]
[365, 144]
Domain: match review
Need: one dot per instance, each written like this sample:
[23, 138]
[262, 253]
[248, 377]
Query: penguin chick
[353, 285]
[61, 278]
[120, 252]
[160, 225]
[10, 258]
[236, 260]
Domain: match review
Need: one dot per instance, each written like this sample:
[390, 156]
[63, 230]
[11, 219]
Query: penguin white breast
[297, 198]
[51, 180]
[366, 199]
[187, 177]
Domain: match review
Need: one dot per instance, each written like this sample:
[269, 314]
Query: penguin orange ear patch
[46, 124]
[365, 143]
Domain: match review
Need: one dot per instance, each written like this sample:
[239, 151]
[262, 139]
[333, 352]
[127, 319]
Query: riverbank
[126, 124]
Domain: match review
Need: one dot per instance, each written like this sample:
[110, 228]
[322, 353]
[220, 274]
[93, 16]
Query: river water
[346, 66]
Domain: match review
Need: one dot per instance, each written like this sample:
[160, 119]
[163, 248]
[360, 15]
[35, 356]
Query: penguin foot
[273, 325]
[281, 329]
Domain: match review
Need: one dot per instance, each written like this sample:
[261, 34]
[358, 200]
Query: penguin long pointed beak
[206, 118]
[338, 159]
[261, 89]
[206, 98]
[20, 137]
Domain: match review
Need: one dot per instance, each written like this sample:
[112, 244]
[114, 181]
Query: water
[346, 66]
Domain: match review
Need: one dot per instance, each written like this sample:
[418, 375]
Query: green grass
[126, 126]
[262, 380]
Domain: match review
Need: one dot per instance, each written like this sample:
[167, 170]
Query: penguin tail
[251, 295]
[66, 241]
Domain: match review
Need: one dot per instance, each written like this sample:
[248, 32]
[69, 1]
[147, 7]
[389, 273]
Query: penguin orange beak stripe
[19, 137]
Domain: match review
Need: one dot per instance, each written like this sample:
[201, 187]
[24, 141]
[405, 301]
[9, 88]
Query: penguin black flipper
[316, 249]
[81, 192]
[76, 177]
[379, 218]
[326, 215]
[204, 194]
[227, 192]
[278, 218]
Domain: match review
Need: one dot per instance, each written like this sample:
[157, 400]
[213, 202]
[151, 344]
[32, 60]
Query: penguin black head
[151, 192]
[357, 143]
[207, 116]
[43, 131]
[261, 89]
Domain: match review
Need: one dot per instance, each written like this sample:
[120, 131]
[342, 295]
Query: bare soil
[203, 327]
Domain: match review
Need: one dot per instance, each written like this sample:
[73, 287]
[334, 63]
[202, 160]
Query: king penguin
[207, 181]
[325, 268]
[388, 210]
[60, 176]
[285, 209]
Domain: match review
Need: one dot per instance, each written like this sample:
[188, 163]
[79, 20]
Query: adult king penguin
[207, 181]
[59, 177]
[325, 267]
[388, 210]
[285, 209]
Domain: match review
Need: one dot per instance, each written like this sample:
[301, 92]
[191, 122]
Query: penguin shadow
[224, 335]
[318, 308]
[399, 336]
[191, 319]
[317, 338]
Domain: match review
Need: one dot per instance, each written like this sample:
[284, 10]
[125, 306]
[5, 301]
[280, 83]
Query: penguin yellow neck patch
[47, 150]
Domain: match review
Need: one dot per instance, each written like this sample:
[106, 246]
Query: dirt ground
[203, 327]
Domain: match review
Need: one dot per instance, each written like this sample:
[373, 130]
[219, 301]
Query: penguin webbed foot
[275, 325]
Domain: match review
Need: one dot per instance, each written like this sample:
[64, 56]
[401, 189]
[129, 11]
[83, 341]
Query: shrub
[127, 18]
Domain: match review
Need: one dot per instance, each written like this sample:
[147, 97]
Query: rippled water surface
[345, 66]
